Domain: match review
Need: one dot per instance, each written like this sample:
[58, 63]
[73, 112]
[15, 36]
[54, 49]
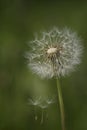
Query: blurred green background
[19, 20]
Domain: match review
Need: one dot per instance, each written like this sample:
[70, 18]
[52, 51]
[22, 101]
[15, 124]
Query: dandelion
[56, 53]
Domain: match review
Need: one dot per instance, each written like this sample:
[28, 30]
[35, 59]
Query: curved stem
[61, 105]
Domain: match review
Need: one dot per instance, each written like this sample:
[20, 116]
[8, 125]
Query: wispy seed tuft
[55, 53]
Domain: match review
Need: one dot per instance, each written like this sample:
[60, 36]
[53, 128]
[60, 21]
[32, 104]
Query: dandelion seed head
[56, 53]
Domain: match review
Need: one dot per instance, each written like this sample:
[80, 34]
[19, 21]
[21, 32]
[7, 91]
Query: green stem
[61, 105]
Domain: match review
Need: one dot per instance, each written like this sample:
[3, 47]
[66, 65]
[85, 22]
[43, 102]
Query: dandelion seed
[51, 100]
[43, 104]
[35, 101]
[56, 53]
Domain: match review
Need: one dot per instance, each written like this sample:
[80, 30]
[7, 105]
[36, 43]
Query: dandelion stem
[61, 105]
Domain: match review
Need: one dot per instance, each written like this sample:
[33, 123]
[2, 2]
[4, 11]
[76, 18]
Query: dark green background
[19, 20]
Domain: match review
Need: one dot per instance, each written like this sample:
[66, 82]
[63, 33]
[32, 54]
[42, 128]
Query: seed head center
[51, 50]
